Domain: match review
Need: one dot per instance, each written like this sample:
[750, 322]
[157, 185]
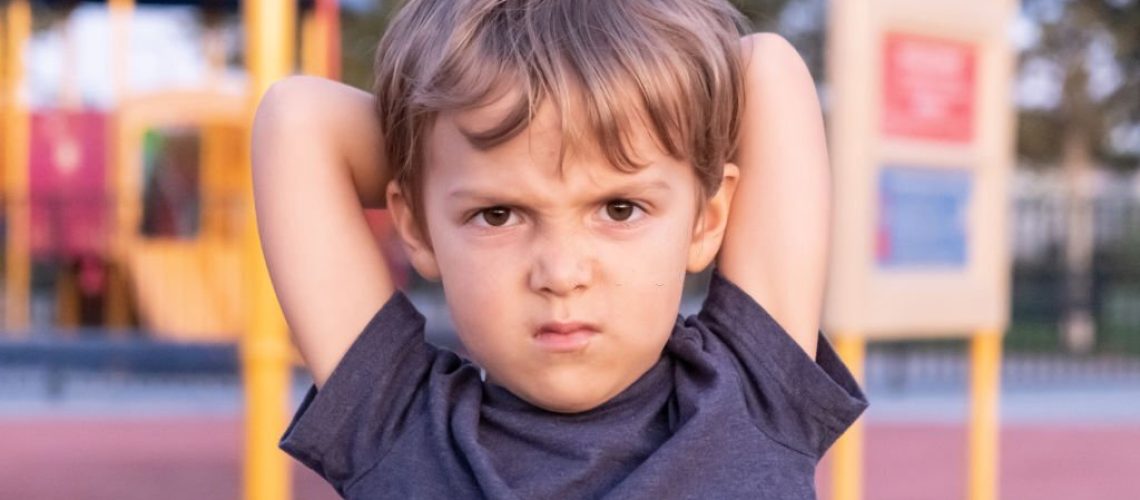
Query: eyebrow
[497, 196]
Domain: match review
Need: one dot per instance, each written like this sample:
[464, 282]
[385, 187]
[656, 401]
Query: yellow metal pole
[18, 263]
[314, 53]
[120, 13]
[4, 104]
[328, 11]
[265, 351]
[3, 86]
[985, 385]
[118, 303]
[847, 454]
[320, 40]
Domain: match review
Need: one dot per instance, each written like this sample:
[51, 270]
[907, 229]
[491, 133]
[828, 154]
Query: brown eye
[496, 216]
[619, 210]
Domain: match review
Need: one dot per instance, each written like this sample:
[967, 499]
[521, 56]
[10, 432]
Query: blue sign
[922, 217]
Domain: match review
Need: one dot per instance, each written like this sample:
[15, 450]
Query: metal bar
[265, 350]
[847, 454]
[18, 264]
[985, 384]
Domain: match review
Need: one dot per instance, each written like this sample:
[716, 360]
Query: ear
[708, 231]
[416, 245]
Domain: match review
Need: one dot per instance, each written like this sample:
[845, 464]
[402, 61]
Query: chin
[574, 400]
[568, 405]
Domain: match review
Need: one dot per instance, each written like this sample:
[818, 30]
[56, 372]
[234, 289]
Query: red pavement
[195, 458]
[1038, 462]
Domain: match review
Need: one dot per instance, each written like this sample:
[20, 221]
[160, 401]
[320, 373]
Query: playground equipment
[225, 242]
[186, 288]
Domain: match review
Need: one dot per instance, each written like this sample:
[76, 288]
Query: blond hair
[671, 67]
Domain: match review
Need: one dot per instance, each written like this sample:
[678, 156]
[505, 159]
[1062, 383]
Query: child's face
[564, 284]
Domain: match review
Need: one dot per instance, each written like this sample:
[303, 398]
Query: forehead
[542, 150]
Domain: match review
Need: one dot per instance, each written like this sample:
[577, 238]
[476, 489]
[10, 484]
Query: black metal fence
[1041, 278]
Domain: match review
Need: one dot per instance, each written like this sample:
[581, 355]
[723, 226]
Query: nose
[562, 264]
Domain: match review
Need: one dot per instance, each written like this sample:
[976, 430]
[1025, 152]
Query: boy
[559, 165]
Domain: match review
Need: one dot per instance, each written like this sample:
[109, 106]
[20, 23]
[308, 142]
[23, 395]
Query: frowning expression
[563, 277]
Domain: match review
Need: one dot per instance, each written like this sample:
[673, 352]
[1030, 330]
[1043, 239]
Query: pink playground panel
[68, 182]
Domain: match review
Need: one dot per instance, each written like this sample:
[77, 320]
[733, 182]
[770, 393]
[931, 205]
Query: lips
[565, 336]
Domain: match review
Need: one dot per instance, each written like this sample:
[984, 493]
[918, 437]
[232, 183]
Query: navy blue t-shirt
[733, 409]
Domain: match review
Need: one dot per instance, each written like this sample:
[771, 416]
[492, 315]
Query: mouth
[564, 336]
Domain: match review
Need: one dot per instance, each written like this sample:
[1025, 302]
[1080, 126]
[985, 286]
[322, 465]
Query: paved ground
[1038, 462]
[176, 458]
[124, 458]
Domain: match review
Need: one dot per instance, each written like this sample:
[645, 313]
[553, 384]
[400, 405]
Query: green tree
[360, 34]
[1091, 49]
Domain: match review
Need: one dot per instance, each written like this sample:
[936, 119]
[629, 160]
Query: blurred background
[120, 373]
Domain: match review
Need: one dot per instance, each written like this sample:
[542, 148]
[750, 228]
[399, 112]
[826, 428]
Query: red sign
[928, 88]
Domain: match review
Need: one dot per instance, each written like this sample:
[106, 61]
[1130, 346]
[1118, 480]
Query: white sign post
[921, 123]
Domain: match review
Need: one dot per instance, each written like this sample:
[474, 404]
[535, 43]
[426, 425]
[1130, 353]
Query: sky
[165, 53]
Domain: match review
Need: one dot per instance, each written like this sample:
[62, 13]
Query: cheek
[648, 279]
[481, 289]
[656, 258]
[476, 281]
[479, 270]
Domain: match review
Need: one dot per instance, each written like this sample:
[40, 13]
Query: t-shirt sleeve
[805, 404]
[346, 427]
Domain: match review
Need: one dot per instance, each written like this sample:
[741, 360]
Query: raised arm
[316, 165]
[776, 243]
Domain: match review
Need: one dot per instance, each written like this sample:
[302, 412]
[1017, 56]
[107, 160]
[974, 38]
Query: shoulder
[378, 390]
[803, 402]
